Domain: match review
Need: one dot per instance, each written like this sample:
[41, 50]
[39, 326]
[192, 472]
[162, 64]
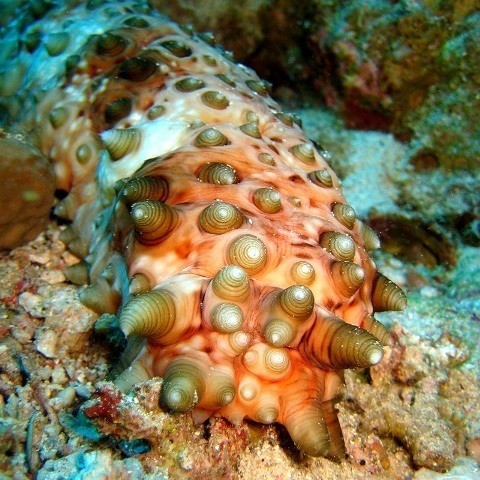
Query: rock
[91, 466]
[46, 342]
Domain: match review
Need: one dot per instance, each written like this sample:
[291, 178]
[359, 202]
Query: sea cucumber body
[213, 232]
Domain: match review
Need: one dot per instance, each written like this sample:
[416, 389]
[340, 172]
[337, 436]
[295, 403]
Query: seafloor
[413, 416]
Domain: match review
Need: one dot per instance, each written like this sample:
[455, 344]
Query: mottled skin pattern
[213, 232]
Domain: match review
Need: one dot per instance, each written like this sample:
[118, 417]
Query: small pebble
[473, 448]
[59, 375]
[69, 259]
[32, 304]
[134, 447]
[186, 460]
[53, 276]
[23, 329]
[83, 391]
[65, 398]
[42, 258]
[429, 292]
[46, 342]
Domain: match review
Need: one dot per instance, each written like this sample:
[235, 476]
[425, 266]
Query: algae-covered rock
[382, 60]
[445, 126]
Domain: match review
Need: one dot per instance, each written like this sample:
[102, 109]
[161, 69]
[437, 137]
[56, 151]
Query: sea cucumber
[212, 231]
